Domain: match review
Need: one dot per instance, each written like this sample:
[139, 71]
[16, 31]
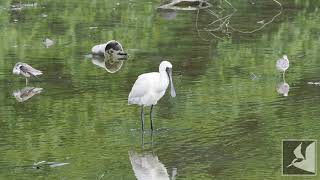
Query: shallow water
[227, 121]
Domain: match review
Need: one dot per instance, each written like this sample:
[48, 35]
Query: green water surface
[227, 121]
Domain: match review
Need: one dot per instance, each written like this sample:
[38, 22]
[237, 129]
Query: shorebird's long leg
[26, 81]
[283, 76]
[151, 118]
[142, 119]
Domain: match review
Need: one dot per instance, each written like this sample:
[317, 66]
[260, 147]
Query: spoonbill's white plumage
[112, 49]
[25, 70]
[150, 87]
[282, 64]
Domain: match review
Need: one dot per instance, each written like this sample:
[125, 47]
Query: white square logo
[299, 157]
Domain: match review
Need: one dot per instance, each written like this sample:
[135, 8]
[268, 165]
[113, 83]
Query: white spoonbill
[25, 70]
[282, 64]
[150, 87]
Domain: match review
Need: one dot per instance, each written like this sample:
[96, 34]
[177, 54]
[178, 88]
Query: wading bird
[150, 87]
[112, 49]
[282, 64]
[25, 70]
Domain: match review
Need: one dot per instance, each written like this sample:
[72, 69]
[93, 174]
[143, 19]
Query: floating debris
[253, 76]
[56, 164]
[93, 27]
[314, 83]
[186, 5]
[26, 93]
[20, 6]
[44, 15]
[40, 164]
[47, 42]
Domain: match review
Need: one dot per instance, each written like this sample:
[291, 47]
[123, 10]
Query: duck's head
[114, 50]
[16, 68]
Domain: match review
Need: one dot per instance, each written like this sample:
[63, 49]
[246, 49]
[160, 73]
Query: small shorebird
[150, 87]
[282, 64]
[25, 70]
[111, 49]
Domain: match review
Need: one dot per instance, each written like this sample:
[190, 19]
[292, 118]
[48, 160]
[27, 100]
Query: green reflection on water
[222, 123]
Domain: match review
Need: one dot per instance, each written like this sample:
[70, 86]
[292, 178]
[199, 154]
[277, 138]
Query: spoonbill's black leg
[151, 117]
[142, 119]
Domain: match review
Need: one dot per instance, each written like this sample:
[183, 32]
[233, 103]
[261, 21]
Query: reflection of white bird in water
[109, 64]
[306, 163]
[25, 70]
[283, 88]
[111, 49]
[26, 93]
[148, 166]
[150, 87]
[282, 64]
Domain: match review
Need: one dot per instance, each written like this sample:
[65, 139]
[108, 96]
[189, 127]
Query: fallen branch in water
[221, 25]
